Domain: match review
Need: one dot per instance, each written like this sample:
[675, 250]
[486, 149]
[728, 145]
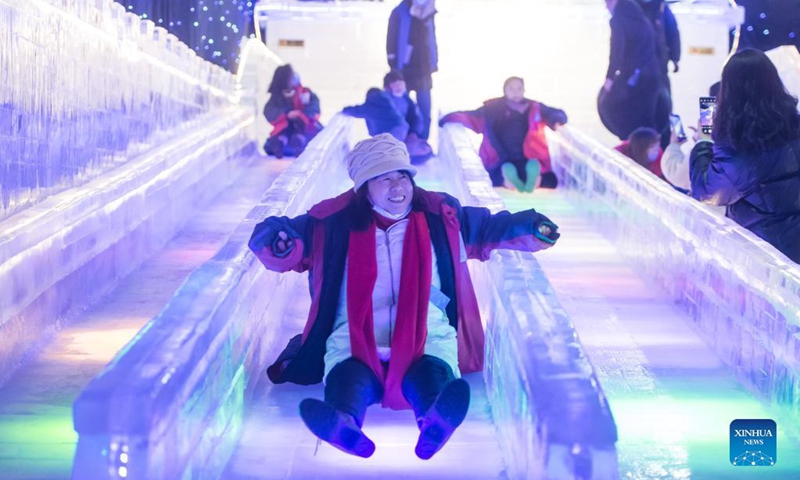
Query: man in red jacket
[514, 148]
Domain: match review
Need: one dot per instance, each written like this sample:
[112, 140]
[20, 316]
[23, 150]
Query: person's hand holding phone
[673, 138]
[698, 135]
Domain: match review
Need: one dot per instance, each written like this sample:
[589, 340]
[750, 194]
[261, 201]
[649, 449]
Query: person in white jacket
[675, 164]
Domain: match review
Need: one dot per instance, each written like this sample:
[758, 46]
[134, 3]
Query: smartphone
[708, 106]
[677, 127]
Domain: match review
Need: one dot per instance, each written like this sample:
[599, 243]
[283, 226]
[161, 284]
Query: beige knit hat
[375, 156]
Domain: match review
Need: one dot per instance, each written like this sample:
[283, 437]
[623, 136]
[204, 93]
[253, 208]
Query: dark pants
[424, 102]
[351, 386]
[292, 140]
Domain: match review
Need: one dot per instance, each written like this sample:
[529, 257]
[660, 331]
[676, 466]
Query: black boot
[350, 388]
[446, 414]
[439, 402]
[335, 427]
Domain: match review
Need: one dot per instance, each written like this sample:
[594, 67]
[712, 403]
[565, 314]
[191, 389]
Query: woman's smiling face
[391, 191]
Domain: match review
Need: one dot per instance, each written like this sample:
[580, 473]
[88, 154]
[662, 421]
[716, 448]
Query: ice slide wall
[743, 295]
[115, 132]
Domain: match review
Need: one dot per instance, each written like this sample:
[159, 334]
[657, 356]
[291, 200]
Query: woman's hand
[698, 134]
[282, 244]
[547, 233]
[673, 138]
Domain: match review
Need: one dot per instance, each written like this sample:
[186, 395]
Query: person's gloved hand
[675, 67]
[282, 244]
[547, 232]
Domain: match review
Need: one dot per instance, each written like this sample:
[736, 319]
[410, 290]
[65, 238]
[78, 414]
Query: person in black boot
[394, 318]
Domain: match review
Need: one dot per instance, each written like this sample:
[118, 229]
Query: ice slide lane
[275, 444]
[37, 440]
[672, 398]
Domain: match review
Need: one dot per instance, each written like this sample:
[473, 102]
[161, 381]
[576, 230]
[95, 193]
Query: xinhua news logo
[754, 443]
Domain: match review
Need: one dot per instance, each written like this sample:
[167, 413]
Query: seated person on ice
[644, 147]
[392, 111]
[514, 148]
[293, 111]
[394, 317]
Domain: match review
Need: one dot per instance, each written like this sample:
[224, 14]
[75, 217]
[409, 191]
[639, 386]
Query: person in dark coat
[392, 111]
[293, 110]
[630, 94]
[394, 317]
[380, 114]
[411, 48]
[753, 165]
[668, 49]
[514, 147]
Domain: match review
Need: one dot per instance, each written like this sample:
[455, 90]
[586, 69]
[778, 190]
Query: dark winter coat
[761, 192]
[380, 115]
[633, 43]
[492, 152]
[278, 106]
[402, 41]
[321, 241]
[385, 113]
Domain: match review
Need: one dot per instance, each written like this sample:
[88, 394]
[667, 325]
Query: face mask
[295, 81]
[420, 3]
[652, 155]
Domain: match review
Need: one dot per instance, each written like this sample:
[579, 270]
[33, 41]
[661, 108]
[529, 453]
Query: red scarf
[411, 326]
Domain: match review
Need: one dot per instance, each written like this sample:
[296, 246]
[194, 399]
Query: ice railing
[550, 412]
[742, 293]
[257, 65]
[171, 404]
[84, 87]
[58, 255]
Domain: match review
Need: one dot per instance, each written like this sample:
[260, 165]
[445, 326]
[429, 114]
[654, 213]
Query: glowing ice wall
[551, 415]
[740, 291]
[84, 86]
[171, 404]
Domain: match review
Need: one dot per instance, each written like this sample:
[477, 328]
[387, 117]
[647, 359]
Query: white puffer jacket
[441, 341]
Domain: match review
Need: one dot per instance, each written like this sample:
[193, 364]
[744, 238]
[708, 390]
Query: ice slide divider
[743, 295]
[58, 255]
[550, 412]
[171, 403]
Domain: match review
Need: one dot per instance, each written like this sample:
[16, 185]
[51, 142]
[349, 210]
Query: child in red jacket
[293, 110]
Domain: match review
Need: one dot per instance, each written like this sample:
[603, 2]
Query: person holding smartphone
[747, 157]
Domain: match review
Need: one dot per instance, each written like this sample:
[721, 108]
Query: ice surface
[742, 293]
[84, 86]
[72, 247]
[549, 411]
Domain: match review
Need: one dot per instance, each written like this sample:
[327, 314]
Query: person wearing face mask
[644, 147]
[514, 149]
[392, 111]
[293, 110]
[411, 49]
[394, 318]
